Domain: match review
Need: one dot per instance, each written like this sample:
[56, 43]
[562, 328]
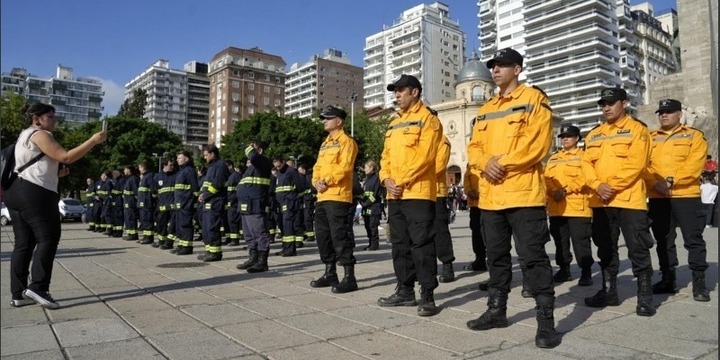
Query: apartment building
[243, 82]
[198, 102]
[425, 42]
[76, 100]
[166, 96]
[573, 49]
[327, 79]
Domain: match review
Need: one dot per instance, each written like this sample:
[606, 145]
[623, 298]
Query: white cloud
[113, 98]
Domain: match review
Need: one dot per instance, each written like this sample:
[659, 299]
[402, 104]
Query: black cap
[569, 130]
[669, 105]
[331, 112]
[506, 56]
[405, 81]
[612, 95]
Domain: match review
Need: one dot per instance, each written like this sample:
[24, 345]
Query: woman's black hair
[36, 109]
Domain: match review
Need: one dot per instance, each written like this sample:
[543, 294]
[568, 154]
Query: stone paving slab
[124, 300]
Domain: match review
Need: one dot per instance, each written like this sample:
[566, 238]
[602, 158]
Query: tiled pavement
[123, 300]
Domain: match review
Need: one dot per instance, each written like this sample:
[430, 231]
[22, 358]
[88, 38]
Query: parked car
[70, 209]
[4, 215]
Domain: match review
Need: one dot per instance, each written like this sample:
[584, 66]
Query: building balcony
[489, 35]
[567, 36]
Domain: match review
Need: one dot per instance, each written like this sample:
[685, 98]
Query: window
[266, 100]
[251, 99]
[235, 84]
[251, 86]
[266, 89]
[277, 91]
[267, 77]
[235, 97]
[251, 110]
[251, 75]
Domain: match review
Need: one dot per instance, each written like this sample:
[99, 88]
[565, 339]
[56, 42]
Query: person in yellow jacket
[443, 239]
[471, 180]
[677, 159]
[333, 178]
[407, 171]
[568, 207]
[616, 154]
[511, 136]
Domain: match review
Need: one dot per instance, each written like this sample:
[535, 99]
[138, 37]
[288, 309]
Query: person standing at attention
[676, 161]
[32, 202]
[332, 177]
[407, 171]
[511, 136]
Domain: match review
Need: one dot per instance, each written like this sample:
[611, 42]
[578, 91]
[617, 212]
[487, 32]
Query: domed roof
[474, 69]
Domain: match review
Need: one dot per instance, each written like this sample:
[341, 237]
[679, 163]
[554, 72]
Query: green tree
[285, 136]
[369, 135]
[134, 107]
[129, 142]
[11, 117]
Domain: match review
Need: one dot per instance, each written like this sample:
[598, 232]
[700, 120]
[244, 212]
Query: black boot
[146, 240]
[261, 265]
[374, 245]
[289, 249]
[184, 250]
[563, 274]
[348, 283]
[168, 244]
[252, 260]
[477, 265]
[667, 284]
[526, 292]
[328, 279]
[494, 317]
[700, 291]
[607, 296]
[545, 337]
[426, 306]
[645, 295]
[158, 243]
[483, 286]
[586, 277]
[403, 296]
[448, 274]
[212, 256]
[234, 242]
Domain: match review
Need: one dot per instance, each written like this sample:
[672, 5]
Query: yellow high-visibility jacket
[441, 162]
[335, 163]
[679, 154]
[617, 155]
[408, 157]
[563, 172]
[518, 129]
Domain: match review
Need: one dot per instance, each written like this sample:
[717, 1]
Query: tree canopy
[11, 117]
[134, 107]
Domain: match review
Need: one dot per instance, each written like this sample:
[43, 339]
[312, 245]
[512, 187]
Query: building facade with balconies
[166, 96]
[76, 100]
[243, 82]
[327, 79]
[424, 42]
[572, 50]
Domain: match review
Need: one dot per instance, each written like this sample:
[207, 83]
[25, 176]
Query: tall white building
[76, 100]
[573, 49]
[166, 96]
[425, 42]
[327, 79]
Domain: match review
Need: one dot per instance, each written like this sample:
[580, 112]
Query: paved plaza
[123, 300]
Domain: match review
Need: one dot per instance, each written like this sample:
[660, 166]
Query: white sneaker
[707, 226]
[43, 298]
[21, 302]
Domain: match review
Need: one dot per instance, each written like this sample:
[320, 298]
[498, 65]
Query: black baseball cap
[332, 112]
[506, 56]
[261, 144]
[612, 95]
[569, 130]
[405, 81]
[669, 105]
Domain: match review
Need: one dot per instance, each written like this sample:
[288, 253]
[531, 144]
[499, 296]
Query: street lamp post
[352, 113]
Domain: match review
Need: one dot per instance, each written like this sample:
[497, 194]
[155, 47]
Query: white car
[4, 215]
[70, 209]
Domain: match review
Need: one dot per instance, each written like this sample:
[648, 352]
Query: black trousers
[234, 224]
[162, 224]
[255, 231]
[579, 229]
[184, 229]
[147, 221]
[130, 218]
[309, 218]
[443, 239]
[36, 226]
[372, 222]
[607, 223]
[332, 232]
[412, 235]
[687, 213]
[708, 212]
[211, 220]
[529, 226]
[478, 243]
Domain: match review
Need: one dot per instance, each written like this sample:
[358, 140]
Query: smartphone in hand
[104, 125]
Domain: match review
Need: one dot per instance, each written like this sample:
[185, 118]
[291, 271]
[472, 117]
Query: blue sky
[115, 41]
